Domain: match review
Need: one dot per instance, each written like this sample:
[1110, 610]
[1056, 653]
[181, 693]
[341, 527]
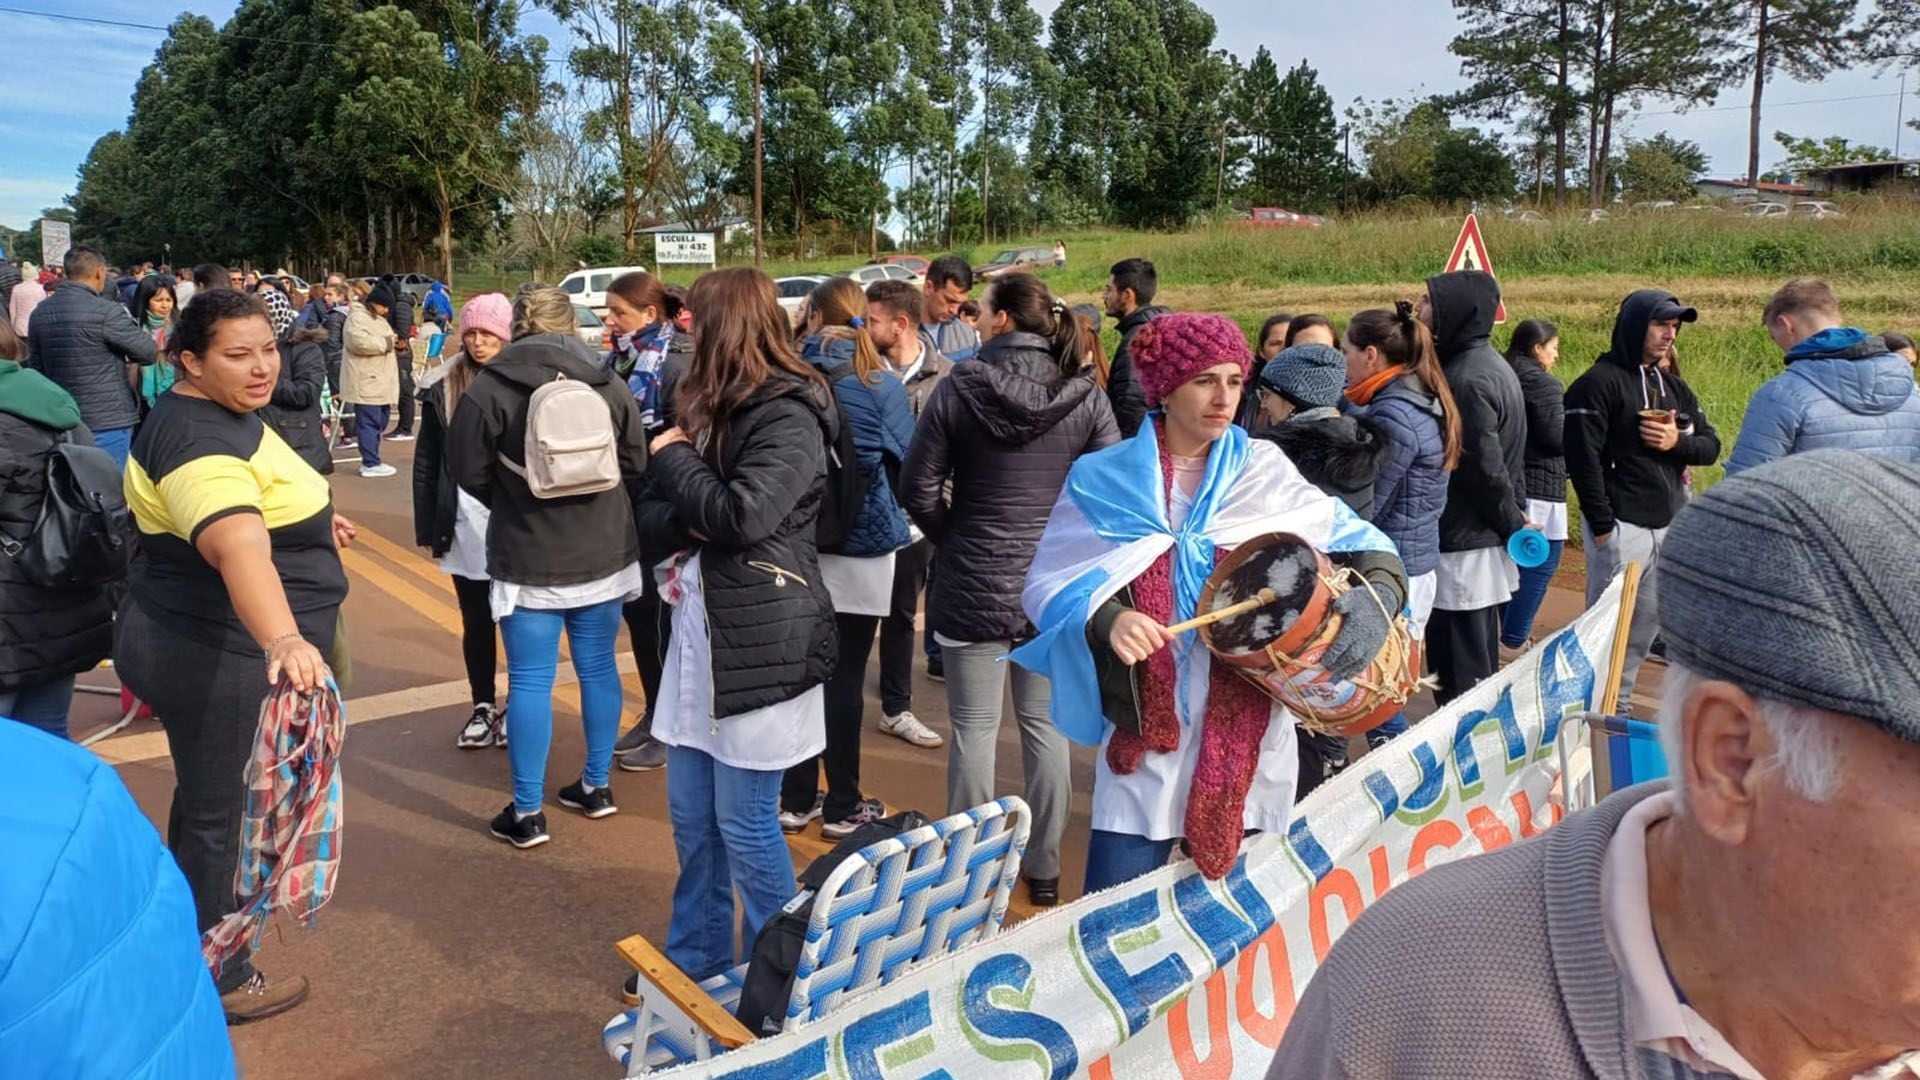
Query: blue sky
[69, 83]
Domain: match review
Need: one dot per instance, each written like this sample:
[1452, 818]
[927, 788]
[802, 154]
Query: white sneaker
[791, 822]
[375, 472]
[398, 437]
[905, 725]
[478, 732]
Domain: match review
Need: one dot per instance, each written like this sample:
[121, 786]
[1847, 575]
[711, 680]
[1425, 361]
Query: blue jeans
[532, 639]
[116, 441]
[1516, 623]
[1116, 858]
[43, 706]
[368, 422]
[726, 830]
[1395, 725]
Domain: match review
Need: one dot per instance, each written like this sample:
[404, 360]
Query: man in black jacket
[83, 340]
[1632, 431]
[1486, 494]
[1131, 285]
[400, 317]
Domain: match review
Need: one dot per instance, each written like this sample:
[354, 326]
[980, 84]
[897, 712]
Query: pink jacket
[26, 296]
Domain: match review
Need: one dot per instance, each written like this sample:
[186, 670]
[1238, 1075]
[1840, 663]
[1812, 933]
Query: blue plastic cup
[1529, 548]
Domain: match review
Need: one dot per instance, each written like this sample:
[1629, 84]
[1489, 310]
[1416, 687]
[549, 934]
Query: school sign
[1176, 976]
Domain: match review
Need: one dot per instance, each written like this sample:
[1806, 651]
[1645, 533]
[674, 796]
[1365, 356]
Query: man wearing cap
[1632, 430]
[1752, 916]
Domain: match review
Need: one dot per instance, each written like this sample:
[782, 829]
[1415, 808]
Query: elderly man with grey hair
[1753, 916]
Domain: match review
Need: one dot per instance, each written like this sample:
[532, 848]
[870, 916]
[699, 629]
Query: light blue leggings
[532, 639]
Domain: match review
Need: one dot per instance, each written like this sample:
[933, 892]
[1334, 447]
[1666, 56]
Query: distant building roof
[1764, 185]
[1889, 163]
[683, 227]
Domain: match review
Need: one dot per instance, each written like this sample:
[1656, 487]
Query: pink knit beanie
[1175, 347]
[491, 312]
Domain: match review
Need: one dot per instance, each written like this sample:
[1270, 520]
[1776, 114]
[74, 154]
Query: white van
[588, 288]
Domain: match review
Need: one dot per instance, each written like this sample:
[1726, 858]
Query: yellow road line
[408, 559]
[436, 608]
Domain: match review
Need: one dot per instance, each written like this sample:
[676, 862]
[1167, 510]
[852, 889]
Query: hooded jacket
[370, 374]
[83, 341]
[1410, 492]
[1618, 477]
[1842, 390]
[1546, 430]
[1486, 495]
[1004, 428]
[1124, 392]
[753, 495]
[44, 633]
[532, 541]
[881, 423]
[294, 411]
[1340, 455]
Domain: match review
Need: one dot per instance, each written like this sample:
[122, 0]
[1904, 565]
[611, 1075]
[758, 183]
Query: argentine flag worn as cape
[1108, 526]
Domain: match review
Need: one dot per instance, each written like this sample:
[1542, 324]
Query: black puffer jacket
[754, 494]
[533, 541]
[1004, 428]
[1486, 495]
[44, 633]
[295, 409]
[1340, 455]
[83, 341]
[1124, 392]
[1546, 430]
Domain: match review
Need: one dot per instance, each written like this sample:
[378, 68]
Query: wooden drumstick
[1259, 600]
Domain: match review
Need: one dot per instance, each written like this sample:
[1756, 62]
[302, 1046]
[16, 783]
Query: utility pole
[1220, 177]
[1900, 114]
[759, 198]
[1346, 166]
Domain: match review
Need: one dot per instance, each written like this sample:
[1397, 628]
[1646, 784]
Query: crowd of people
[759, 503]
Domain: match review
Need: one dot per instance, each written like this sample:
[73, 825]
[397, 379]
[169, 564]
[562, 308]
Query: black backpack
[776, 950]
[846, 488]
[84, 537]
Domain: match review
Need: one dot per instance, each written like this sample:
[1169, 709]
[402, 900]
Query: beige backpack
[570, 442]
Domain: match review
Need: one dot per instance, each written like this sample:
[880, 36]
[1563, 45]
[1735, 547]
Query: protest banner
[1470, 253]
[56, 239]
[683, 249]
[1173, 975]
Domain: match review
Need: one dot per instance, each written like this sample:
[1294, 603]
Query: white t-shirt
[1471, 580]
[859, 586]
[625, 584]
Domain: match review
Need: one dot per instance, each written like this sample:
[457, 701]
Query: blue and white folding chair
[1600, 754]
[887, 908]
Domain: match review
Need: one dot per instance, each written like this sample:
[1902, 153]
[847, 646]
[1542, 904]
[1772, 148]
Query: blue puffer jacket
[1411, 490]
[881, 418]
[100, 969]
[1842, 390]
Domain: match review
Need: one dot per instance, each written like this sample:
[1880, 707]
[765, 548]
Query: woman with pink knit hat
[1189, 751]
[453, 524]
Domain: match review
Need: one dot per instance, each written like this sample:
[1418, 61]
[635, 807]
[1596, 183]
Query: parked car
[593, 329]
[1280, 217]
[1530, 217]
[1596, 216]
[864, 276]
[1767, 210]
[1816, 209]
[915, 264]
[415, 285]
[589, 287]
[1016, 261]
[794, 291]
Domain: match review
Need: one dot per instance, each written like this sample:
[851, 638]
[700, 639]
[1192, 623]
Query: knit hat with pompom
[1175, 347]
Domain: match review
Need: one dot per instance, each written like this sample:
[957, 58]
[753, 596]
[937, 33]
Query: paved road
[446, 953]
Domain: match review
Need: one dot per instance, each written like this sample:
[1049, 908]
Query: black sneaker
[597, 803]
[632, 737]
[865, 812]
[936, 670]
[521, 832]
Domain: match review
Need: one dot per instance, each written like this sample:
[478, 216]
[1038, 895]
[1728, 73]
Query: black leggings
[649, 624]
[476, 637]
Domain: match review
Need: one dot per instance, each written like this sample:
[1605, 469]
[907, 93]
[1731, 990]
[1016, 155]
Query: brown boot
[257, 999]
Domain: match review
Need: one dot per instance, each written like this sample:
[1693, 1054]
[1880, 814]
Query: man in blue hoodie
[1843, 389]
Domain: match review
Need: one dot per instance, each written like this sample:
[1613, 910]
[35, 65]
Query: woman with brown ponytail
[859, 575]
[1003, 429]
[1394, 378]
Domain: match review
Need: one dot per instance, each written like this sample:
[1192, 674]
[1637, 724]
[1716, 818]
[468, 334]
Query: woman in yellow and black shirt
[236, 585]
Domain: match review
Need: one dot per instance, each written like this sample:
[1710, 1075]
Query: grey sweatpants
[1628, 543]
[976, 688]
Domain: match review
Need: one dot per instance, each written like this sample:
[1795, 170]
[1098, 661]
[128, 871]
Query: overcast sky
[68, 83]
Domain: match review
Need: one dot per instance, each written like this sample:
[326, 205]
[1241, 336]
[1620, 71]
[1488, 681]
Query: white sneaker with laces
[478, 732]
[375, 472]
[791, 822]
[905, 725]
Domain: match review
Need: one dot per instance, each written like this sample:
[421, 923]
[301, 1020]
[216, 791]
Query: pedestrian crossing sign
[1470, 253]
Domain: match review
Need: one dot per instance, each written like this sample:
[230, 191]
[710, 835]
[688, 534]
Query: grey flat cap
[1800, 581]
